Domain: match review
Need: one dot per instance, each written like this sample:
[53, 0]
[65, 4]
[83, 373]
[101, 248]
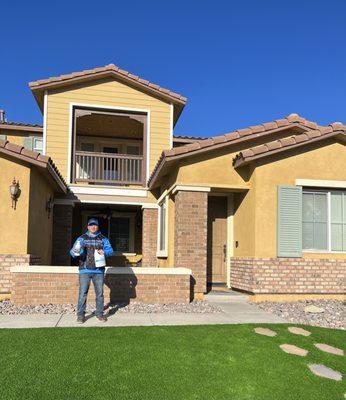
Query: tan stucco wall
[14, 223]
[40, 225]
[255, 209]
[327, 162]
[17, 137]
[107, 93]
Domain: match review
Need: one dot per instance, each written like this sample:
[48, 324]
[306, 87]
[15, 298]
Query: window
[37, 144]
[162, 228]
[324, 220]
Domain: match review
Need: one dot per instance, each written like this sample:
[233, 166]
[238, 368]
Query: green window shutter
[28, 143]
[3, 137]
[289, 221]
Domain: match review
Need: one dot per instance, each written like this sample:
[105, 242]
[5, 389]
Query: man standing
[85, 247]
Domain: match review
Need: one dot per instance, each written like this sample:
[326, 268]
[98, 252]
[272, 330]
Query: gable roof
[109, 70]
[277, 146]
[36, 159]
[292, 121]
[21, 126]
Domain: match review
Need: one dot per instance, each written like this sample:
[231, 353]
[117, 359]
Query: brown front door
[217, 239]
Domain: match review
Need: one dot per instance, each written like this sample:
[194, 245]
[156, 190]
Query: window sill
[323, 252]
[162, 254]
[120, 253]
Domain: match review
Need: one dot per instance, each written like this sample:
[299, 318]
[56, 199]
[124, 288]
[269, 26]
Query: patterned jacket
[89, 243]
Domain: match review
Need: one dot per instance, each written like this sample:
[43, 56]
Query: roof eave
[241, 161]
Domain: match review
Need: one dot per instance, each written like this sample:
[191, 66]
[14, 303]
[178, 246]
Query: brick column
[149, 237]
[190, 236]
[62, 232]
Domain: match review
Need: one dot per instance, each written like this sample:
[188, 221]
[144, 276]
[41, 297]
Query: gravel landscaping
[198, 307]
[333, 313]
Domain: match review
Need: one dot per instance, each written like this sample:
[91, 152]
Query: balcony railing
[108, 168]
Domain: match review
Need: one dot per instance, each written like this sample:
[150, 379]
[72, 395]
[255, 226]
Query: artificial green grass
[177, 362]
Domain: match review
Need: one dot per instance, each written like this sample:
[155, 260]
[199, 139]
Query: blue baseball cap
[93, 221]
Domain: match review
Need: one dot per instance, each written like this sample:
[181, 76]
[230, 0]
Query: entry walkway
[237, 310]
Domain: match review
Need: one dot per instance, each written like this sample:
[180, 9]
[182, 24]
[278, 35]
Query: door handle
[224, 252]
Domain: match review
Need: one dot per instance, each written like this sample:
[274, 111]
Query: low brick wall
[58, 285]
[289, 275]
[9, 260]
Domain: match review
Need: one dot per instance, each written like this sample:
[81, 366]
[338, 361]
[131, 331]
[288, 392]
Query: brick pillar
[62, 232]
[190, 236]
[149, 237]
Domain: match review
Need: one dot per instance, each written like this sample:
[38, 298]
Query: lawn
[178, 362]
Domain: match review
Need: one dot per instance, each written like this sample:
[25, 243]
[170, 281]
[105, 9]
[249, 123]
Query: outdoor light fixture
[15, 192]
[49, 206]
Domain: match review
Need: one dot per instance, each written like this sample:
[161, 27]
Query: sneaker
[80, 319]
[102, 318]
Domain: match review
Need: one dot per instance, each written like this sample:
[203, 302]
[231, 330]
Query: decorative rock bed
[332, 316]
[196, 307]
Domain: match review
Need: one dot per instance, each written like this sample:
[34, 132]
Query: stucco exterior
[105, 93]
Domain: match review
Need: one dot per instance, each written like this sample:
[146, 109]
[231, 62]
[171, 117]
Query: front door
[217, 240]
[110, 165]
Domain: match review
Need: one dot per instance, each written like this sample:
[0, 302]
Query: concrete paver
[236, 311]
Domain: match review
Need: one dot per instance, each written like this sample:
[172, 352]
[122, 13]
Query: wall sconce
[49, 206]
[15, 192]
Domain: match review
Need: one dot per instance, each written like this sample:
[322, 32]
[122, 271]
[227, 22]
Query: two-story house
[260, 209]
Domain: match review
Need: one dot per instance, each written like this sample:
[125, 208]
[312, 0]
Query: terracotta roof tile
[33, 157]
[111, 68]
[270, 125]
[254, 131]
[20, 124]
[288, 142]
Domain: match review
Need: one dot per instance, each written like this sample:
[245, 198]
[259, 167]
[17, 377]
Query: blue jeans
[84, 284]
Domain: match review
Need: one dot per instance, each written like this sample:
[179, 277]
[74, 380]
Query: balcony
[108, 147]
[106, 168]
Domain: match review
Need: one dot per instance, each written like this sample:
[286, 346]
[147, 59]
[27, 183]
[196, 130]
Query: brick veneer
[62, 231]
[190, 235]
[59, 288]
[289, 275]
[9, 260]
[149, 237]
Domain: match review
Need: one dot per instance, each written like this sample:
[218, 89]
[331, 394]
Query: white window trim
[329, 242]
[162, 253]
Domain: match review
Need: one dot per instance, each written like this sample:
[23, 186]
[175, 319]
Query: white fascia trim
[45, 109]
[106, 191]
[47, 269]
[163, 195]
[69, 152]
[150, 205]
[321, 183]
[171, 126]
[184, 188]
[128, 203]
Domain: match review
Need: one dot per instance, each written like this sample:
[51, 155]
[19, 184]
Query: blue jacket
[84, 256]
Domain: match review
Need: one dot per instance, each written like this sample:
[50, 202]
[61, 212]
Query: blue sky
[238, 62]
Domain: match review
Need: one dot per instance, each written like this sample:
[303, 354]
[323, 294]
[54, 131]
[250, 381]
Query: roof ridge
[107, 68]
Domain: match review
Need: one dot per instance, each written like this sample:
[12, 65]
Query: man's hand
[101, 252]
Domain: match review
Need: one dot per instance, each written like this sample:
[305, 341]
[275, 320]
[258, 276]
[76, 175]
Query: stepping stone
[313, 309]
[299, 331]
[291, 349]
[265, 332]
[325, 372]
[329, 349]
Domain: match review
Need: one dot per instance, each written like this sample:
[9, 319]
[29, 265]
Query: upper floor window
[324, 220]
